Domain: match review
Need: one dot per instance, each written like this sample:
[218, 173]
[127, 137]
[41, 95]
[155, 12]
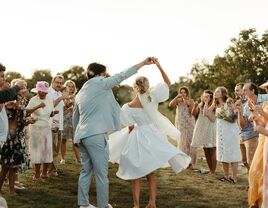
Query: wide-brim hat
[264, 85]
[41, 86]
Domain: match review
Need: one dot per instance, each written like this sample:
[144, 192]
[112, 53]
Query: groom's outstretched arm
[116, 79]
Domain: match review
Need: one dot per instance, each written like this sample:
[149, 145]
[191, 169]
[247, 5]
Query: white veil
[160, 121]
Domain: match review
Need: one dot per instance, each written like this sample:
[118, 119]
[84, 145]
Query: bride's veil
[160, 121]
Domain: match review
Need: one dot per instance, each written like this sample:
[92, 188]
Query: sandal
[223, 179]
[38, 179]
[232, 180]
[44, 176]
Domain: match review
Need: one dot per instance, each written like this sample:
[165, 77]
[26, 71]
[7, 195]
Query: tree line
[244, 60]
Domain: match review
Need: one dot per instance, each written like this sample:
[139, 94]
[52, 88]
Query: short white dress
[227, 140]
[145, 148]
[204, 132]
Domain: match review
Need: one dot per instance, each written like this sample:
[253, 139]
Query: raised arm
[260, 110]
[208, 111]
[173, 103]
[196, 109]
[9, 94]
[241, 120]
[116, 79]
[163, 73]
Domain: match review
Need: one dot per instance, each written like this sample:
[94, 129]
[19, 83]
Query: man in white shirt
[57, 120]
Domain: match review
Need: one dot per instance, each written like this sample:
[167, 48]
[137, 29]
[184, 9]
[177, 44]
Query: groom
[96, 113]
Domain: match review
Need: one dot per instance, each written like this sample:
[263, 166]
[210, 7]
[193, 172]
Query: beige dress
[185, 122]
[204, 133]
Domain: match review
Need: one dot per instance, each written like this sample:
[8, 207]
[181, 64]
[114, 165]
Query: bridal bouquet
[226, 113]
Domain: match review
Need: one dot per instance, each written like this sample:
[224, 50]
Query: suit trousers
[94, 152]
[56, 144]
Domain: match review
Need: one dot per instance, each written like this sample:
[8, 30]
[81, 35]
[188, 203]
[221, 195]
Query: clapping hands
[41, 105]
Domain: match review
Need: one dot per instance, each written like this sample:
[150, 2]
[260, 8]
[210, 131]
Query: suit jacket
[9, 94]
[95, 110]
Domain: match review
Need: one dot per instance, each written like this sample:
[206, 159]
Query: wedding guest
[227, 140]
[68, 131]
[250, 136]
[9, 93]
[184, 121]
[57, 120]
[205, 129]
[245, 132]
[41, 108]
[258, 172]
[13, 154]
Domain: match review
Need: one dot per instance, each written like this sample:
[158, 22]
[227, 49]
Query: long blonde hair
[224, 93]
[73, 83]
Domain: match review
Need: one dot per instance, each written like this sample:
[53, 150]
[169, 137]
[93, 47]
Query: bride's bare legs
[152, 190]
[136, 192]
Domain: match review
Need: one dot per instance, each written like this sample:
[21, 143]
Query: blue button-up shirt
[248, 132]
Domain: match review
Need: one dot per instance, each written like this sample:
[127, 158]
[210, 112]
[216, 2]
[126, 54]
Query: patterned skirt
[13, 153]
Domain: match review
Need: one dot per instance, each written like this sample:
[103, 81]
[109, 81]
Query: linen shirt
[53, 94]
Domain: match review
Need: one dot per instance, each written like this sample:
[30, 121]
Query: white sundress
[146, 148]
[227, 140]
[204, 133]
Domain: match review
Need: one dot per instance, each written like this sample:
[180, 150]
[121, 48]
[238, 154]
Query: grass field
[186, 189]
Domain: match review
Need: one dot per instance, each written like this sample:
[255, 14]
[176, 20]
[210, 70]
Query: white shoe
[62, 162]
[89, 206]
[19, 187]
[109, 206]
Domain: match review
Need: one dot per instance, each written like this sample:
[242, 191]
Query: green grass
[183, 190]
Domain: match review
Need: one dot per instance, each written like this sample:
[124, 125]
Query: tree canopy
[244, 60]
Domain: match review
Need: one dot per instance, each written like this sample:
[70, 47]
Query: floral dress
[13, 152]
[204, 132]
[68, 131]
[185, 122]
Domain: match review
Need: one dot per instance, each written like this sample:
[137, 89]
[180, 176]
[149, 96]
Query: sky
[56, 34]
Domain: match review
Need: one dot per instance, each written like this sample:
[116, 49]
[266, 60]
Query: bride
[142, 147]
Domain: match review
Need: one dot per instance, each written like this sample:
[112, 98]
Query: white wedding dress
[146, 148]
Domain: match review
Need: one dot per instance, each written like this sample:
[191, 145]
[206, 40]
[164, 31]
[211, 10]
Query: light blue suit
[96, 112]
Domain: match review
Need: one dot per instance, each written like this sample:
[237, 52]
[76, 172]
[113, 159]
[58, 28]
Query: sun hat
[264, 85]
[41, 86]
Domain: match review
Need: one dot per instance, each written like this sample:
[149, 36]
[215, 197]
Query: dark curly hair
[95, 69]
